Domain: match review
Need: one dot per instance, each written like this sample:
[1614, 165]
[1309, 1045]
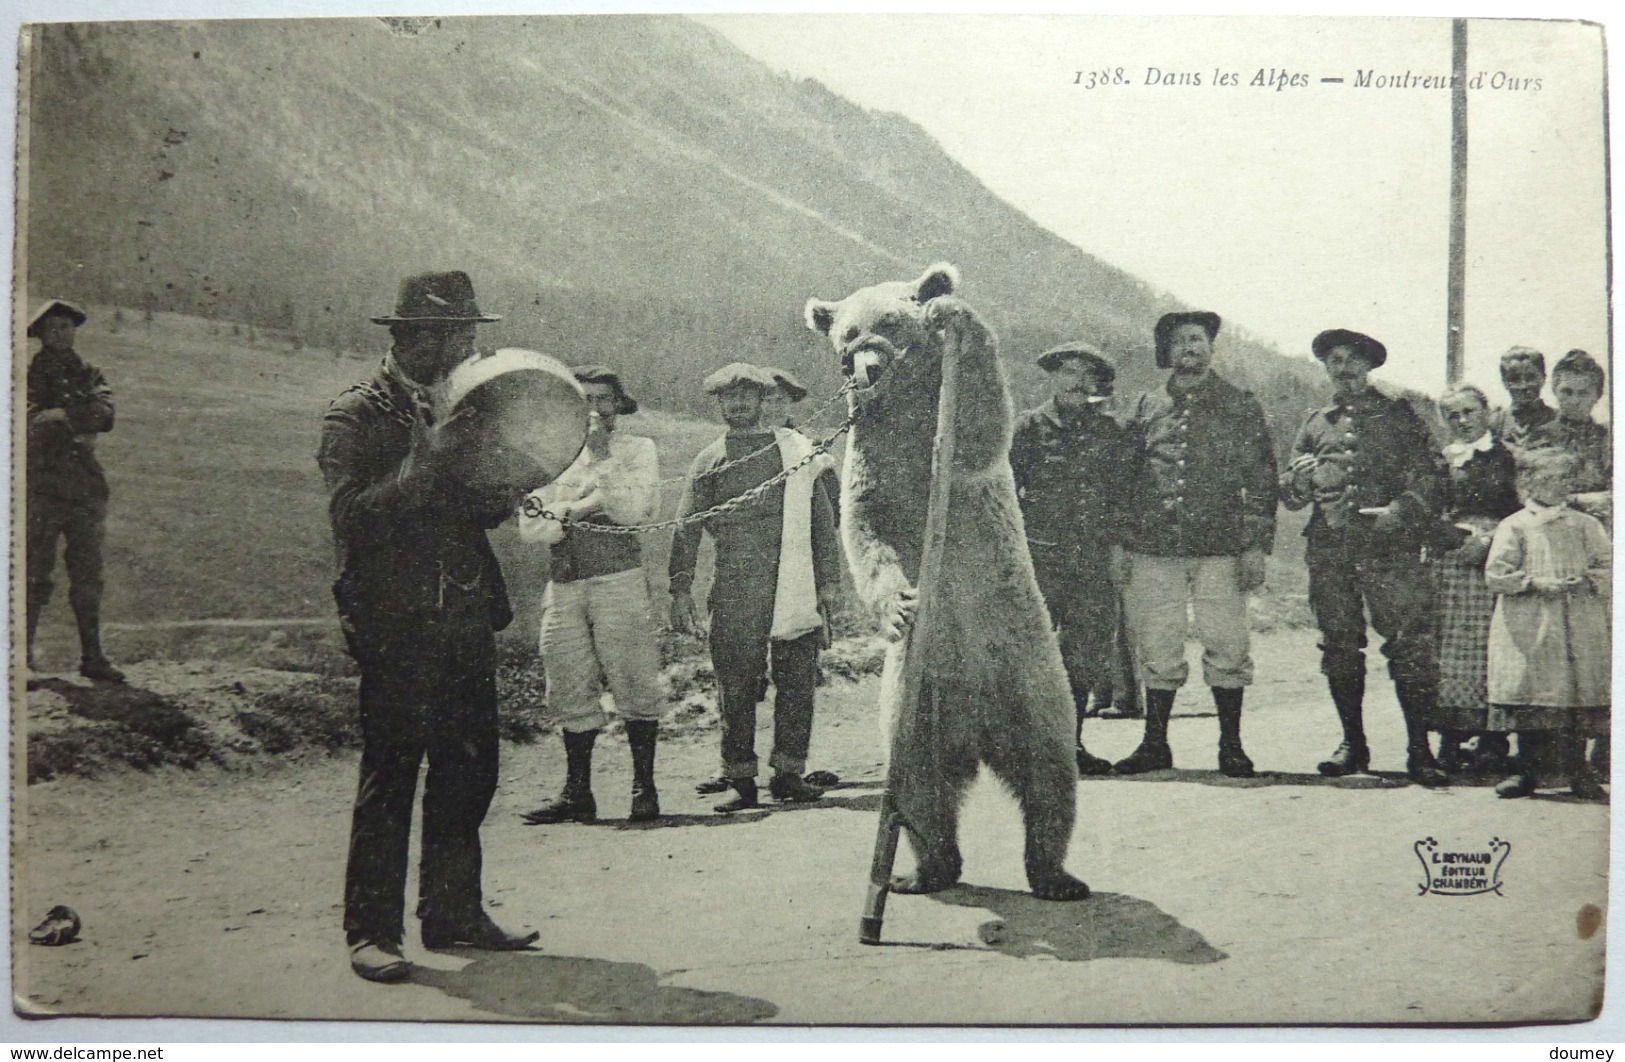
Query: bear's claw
[1059, 886]
[918, 884]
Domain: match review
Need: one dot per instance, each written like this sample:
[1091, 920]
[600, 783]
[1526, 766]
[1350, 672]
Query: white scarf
[1459, 453]
[795, 600]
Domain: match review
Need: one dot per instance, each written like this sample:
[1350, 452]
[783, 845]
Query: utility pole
[1456, 307]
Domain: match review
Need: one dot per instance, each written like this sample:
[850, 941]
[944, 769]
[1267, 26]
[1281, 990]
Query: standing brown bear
[993, 666]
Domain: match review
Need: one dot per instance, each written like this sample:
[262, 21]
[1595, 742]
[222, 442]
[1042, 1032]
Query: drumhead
[529, 417]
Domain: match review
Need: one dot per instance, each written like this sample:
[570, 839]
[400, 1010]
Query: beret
[736, 373]
[1055, 357]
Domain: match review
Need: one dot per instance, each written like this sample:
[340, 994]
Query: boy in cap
[69, 404]
[1369, 466]
[1072, 464]
[1201, 524]
[777, 581]
[595, 619]
[419, 596]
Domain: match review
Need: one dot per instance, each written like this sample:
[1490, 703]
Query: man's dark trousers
[80, 524]
[426, 692]
[1348, 579]
[741, 651]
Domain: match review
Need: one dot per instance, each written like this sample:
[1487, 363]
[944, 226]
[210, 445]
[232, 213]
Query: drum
[521, 417]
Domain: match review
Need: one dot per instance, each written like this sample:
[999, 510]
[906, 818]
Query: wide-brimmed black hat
[792, 387]
[1055, 357]
[436, 297]
[1364, 347]
[56, 308]
[1164, 331]
[624, 403]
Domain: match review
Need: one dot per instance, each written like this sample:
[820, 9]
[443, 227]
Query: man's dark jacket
[404, 556]
[1204, 484]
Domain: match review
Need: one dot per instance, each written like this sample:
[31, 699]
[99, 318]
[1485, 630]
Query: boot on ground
[1233, 759]
[744, 797]
[575, 802]
[642, 735]
[1153, 753]
[1351, 756]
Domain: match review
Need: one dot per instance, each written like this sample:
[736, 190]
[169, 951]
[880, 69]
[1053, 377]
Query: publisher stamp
[1461, 870]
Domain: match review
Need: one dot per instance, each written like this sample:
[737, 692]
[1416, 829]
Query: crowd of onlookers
[1483, 564]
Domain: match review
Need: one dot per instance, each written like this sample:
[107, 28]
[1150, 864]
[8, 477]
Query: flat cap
[1055, 357]
[739, 372]
[785, 380]
[56, 308]
[1364, 347]
[625, 404]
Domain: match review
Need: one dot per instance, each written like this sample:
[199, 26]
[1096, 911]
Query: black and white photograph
[766, 520]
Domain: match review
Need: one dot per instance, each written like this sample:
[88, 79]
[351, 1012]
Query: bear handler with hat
[1368, 465]
[1200, 527]
[420, 597]
[1072, 465]
[69, 404]
[596, 624]
[777, 582]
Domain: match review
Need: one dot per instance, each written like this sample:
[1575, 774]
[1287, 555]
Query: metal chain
[385, 403]
[534, 509]
[814, 415]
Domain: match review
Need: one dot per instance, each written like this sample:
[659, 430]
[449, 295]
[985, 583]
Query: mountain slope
[624, 188]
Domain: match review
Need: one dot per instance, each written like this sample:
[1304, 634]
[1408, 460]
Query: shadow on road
[833, 798]
[1105, 926]
[1374, 780]
[563, 988]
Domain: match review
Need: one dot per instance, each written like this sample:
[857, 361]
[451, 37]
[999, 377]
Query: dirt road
[1288, 898]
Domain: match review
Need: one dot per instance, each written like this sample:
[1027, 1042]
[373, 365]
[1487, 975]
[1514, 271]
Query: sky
[1287, 210]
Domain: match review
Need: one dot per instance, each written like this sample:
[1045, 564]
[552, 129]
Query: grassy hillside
[219, 512]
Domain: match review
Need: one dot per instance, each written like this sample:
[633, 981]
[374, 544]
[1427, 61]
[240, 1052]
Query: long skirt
[1465, 605]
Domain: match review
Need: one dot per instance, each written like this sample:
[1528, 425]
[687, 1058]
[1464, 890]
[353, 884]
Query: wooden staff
[913, 662]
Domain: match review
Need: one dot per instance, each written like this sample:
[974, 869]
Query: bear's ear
[940, 279]
[820, 315]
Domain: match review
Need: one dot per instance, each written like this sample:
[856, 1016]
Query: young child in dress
[1550, 651]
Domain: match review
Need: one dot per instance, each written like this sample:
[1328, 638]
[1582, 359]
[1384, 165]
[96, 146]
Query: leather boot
[1530, 750]
[744, 797]
[1233, 761]
[1153, 753]
[1452, 757]
[1583, 780]
[1493, 755]
[641, 736]
[1352, 756]
[93, 663]
[1415, 701]
[575, 802]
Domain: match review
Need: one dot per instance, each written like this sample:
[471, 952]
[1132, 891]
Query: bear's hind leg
[929, 792]
[1044, 781]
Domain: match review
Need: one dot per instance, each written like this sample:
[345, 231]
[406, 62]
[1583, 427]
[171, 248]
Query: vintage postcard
[769, 520]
